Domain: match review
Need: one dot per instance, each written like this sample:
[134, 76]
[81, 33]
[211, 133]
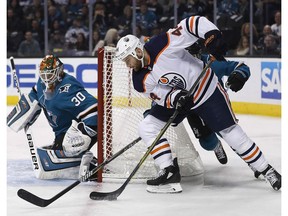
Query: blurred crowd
[69, 22]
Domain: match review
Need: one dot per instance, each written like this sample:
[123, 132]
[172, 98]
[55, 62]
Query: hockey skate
[168, 180]
[256, 172]
[273, 177]
[220, 153]
[88, 162]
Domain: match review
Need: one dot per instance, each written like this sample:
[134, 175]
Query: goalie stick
[15, 77]
[114, 194]
[29, 197]
[27, 129]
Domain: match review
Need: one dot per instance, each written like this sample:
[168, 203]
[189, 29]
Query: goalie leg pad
[25, 112]
[55, 164]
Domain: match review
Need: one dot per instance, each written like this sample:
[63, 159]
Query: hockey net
[120, 110]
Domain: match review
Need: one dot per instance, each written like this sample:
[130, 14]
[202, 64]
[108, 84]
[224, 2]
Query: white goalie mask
[50, 69]
[127, 46]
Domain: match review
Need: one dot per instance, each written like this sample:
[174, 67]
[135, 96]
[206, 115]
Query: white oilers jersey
[171, 67]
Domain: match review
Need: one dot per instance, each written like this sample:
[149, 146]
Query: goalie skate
[168, 180]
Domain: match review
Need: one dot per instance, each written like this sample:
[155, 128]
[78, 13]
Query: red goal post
[120, 110]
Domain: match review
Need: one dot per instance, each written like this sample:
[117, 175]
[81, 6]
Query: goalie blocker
[24, 113]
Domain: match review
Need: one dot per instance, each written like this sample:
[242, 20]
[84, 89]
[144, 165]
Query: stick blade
[103, 196]
[29, 197]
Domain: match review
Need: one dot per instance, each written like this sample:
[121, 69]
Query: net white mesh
[123, 110]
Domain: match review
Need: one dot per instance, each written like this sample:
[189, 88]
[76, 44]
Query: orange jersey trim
[163, 48]
[143, 81]
[191, 23]
[202, 84]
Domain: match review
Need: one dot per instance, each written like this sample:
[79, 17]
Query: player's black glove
[215, 44]
[236, 81]
[196, 47]
[182, 102]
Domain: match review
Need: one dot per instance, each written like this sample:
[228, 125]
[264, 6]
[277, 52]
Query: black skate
[256, 172]
[273, 177]
[168, 180]
[220, 153]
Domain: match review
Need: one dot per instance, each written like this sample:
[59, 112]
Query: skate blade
[167, 188]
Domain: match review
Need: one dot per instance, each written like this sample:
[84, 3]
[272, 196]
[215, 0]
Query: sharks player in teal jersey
[71, 112]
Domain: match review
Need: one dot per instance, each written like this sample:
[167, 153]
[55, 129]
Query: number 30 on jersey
[79, 97]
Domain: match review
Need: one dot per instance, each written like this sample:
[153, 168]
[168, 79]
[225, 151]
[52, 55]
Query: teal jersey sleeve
[225, 68]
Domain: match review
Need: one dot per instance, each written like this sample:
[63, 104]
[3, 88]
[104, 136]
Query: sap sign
[27, 72]
[271, 80]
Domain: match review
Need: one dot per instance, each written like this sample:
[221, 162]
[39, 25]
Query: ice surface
[223, 190]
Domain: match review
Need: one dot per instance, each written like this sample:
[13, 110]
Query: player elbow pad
[24, 113]
[215, 44]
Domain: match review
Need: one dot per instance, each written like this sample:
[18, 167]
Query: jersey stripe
[192, 25]
[86, 112]
[208, 73]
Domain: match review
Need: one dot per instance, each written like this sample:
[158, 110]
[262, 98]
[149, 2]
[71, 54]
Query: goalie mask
[127, 46]
[50, 70]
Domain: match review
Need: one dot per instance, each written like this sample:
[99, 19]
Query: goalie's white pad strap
[25, 112]
[75, 142]
[54, 164]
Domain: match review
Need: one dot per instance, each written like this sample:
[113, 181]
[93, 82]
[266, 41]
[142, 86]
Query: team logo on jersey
[64, 88]
[173, 80]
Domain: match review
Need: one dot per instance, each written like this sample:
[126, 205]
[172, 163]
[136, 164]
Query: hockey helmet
[50, 69]
[127, 46]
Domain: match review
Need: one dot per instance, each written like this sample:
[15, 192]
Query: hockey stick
[27, 129]
[29, 197]
[15, 77]
[114, 194]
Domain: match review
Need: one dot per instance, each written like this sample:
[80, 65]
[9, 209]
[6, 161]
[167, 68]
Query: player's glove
[236, 80]
[182, 102]
[195, 48]
[215, 44]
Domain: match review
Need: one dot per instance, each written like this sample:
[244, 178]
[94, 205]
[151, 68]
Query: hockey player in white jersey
[164, 71]
[72, 114]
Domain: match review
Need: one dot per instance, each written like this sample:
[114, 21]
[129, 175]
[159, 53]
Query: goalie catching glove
[77, 139]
